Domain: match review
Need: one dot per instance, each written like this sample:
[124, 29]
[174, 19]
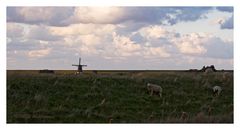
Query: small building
[46, 71]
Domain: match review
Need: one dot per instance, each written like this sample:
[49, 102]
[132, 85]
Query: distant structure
[210, 68]
[79, 66]
[207, 69]
[46, 71]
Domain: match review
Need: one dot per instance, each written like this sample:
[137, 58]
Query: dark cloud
[228, 24]
[16, 44]
[54, 16]
[164, 15]
[225, 8]
[42, 33]
[188, 14]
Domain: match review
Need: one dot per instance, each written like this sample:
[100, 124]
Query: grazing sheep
[76, 73]
[153, 88]
[217, 90]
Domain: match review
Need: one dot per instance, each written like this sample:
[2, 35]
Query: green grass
[119, 97]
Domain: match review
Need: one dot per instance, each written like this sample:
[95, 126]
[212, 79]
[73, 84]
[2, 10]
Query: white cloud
[102, 15]
[83, 29]
[75, 29]
[153, 32]
[87, 50]
[189, 48]
[152, 52]
[39, 53]
[88, 44]
[191, 43]
[90, 40]
[86, 38]
[111, 34]
[14, 30]
[123, 46]
[204, 45]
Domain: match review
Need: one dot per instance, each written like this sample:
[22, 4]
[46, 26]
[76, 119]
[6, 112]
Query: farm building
[208, 69]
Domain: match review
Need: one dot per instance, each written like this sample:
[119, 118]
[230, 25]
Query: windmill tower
[79, 66]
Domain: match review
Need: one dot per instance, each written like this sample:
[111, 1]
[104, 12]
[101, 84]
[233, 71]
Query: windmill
[79, 66]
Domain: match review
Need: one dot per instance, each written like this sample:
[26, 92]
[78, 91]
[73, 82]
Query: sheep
[153, 88]
[217, 90]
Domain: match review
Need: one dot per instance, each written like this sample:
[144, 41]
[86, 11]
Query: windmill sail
[79, 66]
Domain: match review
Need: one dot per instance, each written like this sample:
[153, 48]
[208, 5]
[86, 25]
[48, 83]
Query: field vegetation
[118, 97]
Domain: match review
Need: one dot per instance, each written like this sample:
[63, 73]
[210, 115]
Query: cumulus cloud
[39, 53]
[153, 32]
[14, 30]
[41, 33]
[156, 32]
[124, 46]
[117, 34]
[152, 52]
[99, 15]
[205, 45]
[191, 43]
[39, 15]
[152, 41]
[90, 40]
[83, 29]
[63, 16]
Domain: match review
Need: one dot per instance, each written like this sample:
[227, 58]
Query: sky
[119, 38]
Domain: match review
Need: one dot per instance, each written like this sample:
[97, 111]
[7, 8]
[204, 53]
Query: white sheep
[153, 88]
[217, 90]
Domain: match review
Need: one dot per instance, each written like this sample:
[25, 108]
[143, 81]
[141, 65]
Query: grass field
[118, 97]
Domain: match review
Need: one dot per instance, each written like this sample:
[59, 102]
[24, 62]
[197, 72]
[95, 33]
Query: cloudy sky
[119, 37]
